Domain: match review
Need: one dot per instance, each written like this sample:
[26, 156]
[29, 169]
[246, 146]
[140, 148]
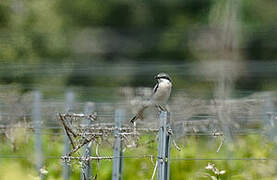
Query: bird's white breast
[163, 92]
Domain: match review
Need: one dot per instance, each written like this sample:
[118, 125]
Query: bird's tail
[139, 114]
[133, 119]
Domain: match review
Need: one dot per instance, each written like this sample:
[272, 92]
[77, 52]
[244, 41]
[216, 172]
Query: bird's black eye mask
[164, 77]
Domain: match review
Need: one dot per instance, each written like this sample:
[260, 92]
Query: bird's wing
[155, 88]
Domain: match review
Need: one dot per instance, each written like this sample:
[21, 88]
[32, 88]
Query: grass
[250, 146]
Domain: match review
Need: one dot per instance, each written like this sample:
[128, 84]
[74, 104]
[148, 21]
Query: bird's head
[163, 76]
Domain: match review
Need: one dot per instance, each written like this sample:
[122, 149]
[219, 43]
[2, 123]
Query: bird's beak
[156, 77]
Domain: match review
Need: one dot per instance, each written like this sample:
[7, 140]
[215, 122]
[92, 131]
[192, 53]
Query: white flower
[43, 171]
[209, 166]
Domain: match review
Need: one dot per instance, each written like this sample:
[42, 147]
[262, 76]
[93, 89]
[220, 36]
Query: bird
[160, 95]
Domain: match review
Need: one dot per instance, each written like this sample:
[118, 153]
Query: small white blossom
[215, 171]
[209, 166]
[43, 171]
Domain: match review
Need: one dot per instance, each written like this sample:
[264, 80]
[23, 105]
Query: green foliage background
[112, 32]
[142, 168]
[72, 35]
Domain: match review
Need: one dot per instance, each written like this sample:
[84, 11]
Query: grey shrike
[161, 93]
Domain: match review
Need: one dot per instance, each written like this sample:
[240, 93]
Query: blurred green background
[59, 31]
[77, 35]
[211, 49]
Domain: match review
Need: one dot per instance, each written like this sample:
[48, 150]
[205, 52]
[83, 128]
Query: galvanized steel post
[117, 173]
[88, 109]
[37, 132]
[164, 147]
[68, 107]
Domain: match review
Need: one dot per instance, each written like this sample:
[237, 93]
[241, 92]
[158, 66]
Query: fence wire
[95, 128]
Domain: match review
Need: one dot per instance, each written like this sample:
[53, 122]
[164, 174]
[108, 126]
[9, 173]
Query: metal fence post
[88, 109]
[36, 117]
[117, 172]
[164, 147]
[269, 116]
[68, 107]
